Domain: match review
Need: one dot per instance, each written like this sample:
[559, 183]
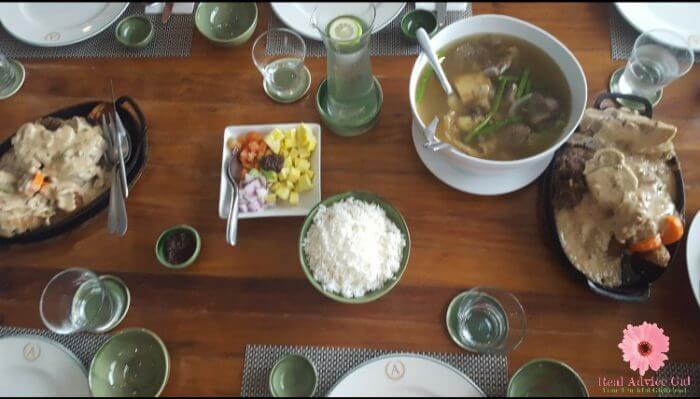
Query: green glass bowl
[418, 19]
[160, 246]
[135, 31]
[391, 212]
[293, 376]
[133, 362]
[226, 24]
[355, 129]
[546, 378]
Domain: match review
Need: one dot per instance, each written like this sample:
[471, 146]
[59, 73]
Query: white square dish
[307, 200]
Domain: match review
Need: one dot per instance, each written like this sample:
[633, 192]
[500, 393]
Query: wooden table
[257, 293]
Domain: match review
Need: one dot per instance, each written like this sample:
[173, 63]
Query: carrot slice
[38, 180]
[672, 229]
[646, 245]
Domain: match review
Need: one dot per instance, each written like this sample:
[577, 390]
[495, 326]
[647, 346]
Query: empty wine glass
[78, 300]
[658, 58]
[491, 320]
[11, 76]
[279, 56]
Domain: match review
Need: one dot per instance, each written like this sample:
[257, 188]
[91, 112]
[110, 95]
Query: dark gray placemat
[173, 39]
[388, 41]
[681, 371]
[84, 346]
[489, 372]
[623, 35]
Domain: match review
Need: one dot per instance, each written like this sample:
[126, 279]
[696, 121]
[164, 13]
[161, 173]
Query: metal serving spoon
[432, 141]
[232, 170]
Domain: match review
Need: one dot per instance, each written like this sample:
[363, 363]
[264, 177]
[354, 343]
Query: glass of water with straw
[279, 56]
[658, 58]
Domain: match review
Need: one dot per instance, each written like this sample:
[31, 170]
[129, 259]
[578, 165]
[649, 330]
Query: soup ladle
[427, 48]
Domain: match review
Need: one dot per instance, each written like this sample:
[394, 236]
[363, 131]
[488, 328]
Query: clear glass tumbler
[279, 56]
[658, 58]
[346, 29]
[491, 320]
[76, 300]
[8, 76]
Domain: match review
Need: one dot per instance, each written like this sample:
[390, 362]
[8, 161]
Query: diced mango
[289, 184]
[294, 175]
[287, 162]
[310, 173]
[293, 154]
[282, 192]
[294, 198]
[274, 140]
[302, 164]
[304, 184]
[304, 153]
[284, 173]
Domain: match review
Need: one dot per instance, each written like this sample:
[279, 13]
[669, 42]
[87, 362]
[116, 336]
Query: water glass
[77, 300]
[279, 56]
[8, 76]
[491, 320]
[658, 58]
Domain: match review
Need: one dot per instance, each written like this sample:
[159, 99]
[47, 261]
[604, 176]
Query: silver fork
[117, 221]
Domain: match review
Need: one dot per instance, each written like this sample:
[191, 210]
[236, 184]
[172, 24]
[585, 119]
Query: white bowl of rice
[354, 247]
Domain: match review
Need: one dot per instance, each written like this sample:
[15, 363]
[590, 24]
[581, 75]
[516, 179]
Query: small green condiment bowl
[546, 378]
[361, 125]
[135, 31]
[392, 213]
[226, 24]
[133, 362]
[418, 19]
[160, 246]
[293, 376]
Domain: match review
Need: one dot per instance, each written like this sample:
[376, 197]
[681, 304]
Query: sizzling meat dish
[615, 193]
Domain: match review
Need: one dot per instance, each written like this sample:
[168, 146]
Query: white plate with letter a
[405, 375]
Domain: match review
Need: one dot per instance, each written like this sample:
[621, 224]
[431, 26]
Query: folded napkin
[451, 6]
[178, 8]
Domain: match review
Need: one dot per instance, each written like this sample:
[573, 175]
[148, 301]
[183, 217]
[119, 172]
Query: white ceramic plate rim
[23, 338]
[692, 254]
[647, 16]
[468, 383]
[13, 21]
[291, 14]
[311, 197]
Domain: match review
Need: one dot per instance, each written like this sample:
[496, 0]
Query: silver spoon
[232, 170]
[432, 142]
[427, 48]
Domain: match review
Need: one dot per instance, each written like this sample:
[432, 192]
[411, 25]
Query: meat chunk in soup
[474, 89]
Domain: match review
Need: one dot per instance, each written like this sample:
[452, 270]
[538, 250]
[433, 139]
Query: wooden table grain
[256, 292]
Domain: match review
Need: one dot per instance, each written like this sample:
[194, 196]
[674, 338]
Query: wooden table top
[257, 293]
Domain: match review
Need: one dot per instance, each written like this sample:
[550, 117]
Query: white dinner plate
[307, 199]
[297, 16]
[58, 24]
[692, 254]
[681, 18]
[34, 366]
[474, 183]
[405, 375]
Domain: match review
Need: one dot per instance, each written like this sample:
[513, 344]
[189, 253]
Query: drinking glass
[491, 320]
[282, 67]
[346, 29]
[658, 58]
[77, 300]
[8, 76]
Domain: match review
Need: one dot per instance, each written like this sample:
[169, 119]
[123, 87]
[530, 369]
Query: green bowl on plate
[546, 378]
[135, 31]
[418, 19]
[293, 376]
[360, 125]
[133, 362]
[160, 246]
[393, 215]
[226, 24]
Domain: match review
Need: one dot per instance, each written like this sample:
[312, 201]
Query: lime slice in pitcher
[345, 29]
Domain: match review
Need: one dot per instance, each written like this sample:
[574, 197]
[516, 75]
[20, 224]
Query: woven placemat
[623, 35]
[680, 371]
[388, 41]
[489, 372]
[84, 346]
[173, 39]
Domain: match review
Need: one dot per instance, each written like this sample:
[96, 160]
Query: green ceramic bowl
[226, 24]
[293, 376]
[160, 246]
[133, 362]
[135, 31]
[391, 212]
[418, 19]
[546, 378]
[357, 128]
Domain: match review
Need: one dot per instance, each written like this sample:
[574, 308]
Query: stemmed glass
[78, 300]
[279, 56]
[658, 58]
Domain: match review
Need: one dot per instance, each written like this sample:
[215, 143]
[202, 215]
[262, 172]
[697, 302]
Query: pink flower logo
[644, 347]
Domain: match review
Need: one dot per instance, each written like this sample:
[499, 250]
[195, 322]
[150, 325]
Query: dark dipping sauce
[179, 247]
